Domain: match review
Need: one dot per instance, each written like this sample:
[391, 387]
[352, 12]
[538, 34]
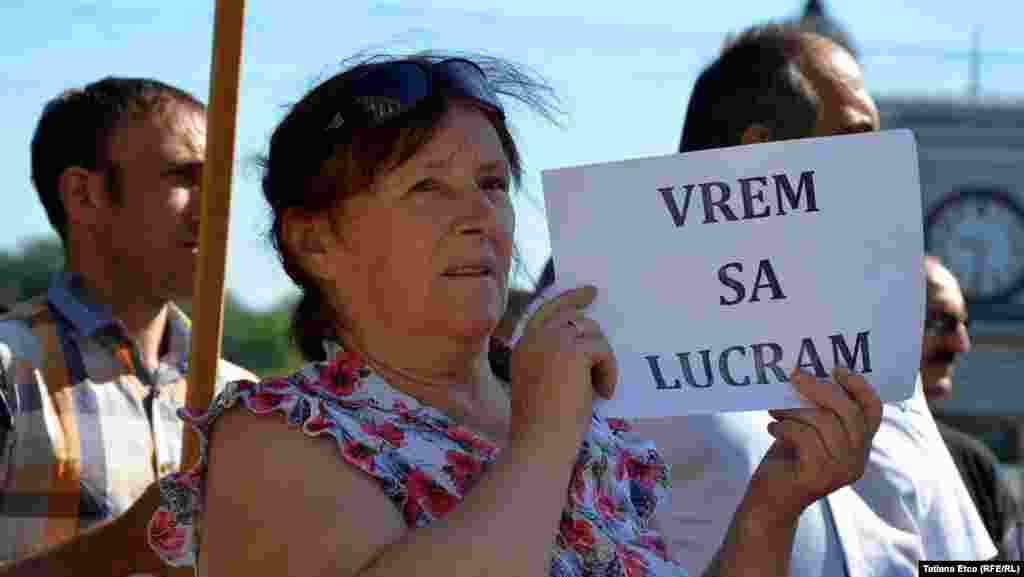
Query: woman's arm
[281, 503]
[757, 544]
[817, 450]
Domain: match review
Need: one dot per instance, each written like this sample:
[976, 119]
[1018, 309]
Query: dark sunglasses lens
[390, 90]
[468, 79]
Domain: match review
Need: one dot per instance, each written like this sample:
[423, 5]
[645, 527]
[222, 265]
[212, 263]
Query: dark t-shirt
[979, 468]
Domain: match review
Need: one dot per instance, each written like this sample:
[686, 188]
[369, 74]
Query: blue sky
[623, 70]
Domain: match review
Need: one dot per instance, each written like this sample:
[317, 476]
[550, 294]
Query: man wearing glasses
[946, 337]
[945, 331]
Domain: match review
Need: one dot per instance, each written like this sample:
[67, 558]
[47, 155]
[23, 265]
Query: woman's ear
[309, 238]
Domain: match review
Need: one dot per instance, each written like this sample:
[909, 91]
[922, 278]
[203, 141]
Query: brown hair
[311, 169]
[76, 129]
[755, 80]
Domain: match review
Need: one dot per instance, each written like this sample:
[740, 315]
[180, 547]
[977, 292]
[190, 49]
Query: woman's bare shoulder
[281, 502]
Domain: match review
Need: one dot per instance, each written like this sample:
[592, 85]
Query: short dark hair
[310, 169]
[76, 129]
[755, 80]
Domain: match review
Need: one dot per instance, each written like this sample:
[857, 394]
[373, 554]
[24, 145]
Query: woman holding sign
[414, 443]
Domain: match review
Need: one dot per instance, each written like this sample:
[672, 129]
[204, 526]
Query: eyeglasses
[940, 324]
[387, 90]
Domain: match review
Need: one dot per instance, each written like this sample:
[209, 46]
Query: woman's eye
[425, 185]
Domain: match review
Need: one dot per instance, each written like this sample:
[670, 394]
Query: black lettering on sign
[784, 187]
[765, 279]
[839, 348]
[717, 201]
[766, 357]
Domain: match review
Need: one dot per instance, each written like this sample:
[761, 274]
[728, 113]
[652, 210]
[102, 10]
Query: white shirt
[914, 487]
[910, 505]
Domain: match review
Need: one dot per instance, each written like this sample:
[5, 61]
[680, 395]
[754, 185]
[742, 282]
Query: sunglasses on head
[939, 324]
[387, 90]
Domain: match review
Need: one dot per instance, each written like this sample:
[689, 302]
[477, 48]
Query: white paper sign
[720, 271]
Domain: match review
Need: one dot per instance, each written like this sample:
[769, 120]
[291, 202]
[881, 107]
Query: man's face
[844, 106]
[945, 333]
[152, 233]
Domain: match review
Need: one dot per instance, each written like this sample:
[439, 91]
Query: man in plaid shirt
[92, 371]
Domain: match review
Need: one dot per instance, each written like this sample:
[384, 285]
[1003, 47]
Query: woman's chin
[474, 329]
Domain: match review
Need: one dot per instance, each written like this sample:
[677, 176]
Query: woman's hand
[817, 450]
[558, 365]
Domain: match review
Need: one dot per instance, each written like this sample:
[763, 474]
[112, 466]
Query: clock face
[978, 233]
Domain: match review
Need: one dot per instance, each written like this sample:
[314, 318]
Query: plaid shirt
[117, 426]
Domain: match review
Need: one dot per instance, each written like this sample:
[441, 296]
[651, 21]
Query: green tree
[259, 340]
[28, 270]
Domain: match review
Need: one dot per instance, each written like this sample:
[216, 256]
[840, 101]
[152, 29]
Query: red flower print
[646, 474]
[332, 379]
[386, 431]
[265, 401]
[632, 562]
[441, 502]
[607, 507]
[619, 425]
[467, 437]
[350, 364]
[165, 536]
[621, 468]
[341, 375]
[411, 511]
[578, 533]
[462, 468]
[276, 384]
[359, 454]
[417, 484]
[317, 424]
[577, 485]
[431, 496]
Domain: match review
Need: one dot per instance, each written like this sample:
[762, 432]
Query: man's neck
[144, 319]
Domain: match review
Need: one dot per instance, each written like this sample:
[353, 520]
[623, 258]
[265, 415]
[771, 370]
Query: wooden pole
[208, 299]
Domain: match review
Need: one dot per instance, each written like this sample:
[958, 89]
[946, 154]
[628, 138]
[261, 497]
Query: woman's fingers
[575, 299]
[565, 314]
[825, 425]
[605, 370]
[800, 438]
[863, 395]
[587, 334]
[833, 397]
[841, 427]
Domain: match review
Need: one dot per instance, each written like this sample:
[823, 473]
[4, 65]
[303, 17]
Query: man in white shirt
[776, 83]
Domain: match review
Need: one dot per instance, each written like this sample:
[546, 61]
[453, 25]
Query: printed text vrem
[752, 202]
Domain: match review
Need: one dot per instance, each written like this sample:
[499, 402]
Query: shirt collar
[69, 296]
[71, 299]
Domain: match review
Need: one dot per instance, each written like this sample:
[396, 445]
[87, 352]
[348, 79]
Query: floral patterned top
[425, 463]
